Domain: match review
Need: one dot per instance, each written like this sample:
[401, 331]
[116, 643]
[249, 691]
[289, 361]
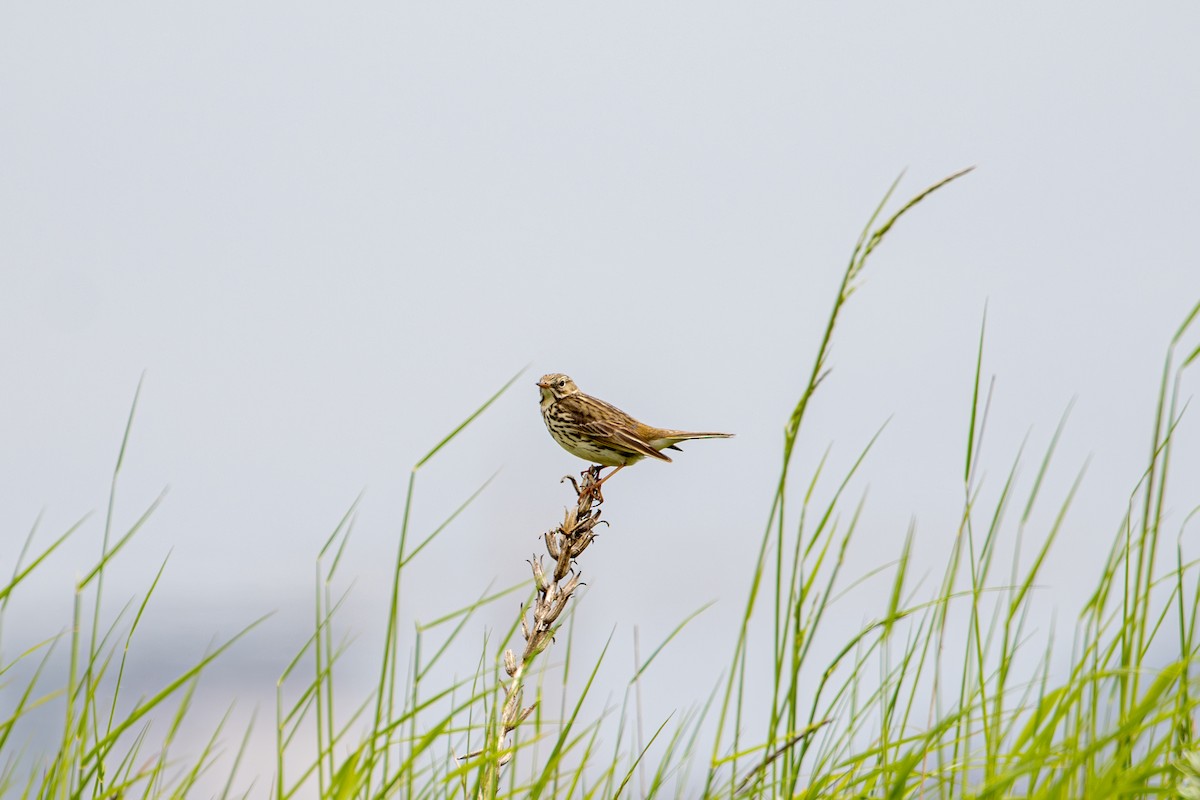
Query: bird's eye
[562, 384]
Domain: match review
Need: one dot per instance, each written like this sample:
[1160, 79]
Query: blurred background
[327, 234]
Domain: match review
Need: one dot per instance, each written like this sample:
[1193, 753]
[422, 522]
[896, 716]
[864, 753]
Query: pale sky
[327, 234]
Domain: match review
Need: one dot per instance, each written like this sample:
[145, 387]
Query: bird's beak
[543, 385]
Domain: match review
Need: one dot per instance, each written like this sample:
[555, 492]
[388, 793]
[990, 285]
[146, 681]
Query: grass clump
[951, 691]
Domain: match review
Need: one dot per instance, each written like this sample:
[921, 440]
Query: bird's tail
[674, 437]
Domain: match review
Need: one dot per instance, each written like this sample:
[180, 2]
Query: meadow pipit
[604, 434]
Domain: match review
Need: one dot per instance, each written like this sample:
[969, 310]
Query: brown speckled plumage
[602, 433]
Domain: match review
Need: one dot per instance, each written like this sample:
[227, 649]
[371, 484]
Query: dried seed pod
[563, 544]
[539, 577]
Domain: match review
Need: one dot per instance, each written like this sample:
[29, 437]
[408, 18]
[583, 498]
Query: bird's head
[556, 386]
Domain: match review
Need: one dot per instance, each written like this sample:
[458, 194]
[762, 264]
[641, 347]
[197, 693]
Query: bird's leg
[596, 486]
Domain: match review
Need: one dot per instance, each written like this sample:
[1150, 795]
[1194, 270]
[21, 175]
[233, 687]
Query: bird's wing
[620, 438]
[609, 426]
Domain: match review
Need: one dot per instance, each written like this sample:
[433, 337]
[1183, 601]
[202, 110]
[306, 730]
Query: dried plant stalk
[564, 544]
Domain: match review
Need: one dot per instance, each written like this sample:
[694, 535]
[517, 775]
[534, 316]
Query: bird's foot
[592, 485]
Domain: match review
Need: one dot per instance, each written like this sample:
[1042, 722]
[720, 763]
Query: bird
[601, 433]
